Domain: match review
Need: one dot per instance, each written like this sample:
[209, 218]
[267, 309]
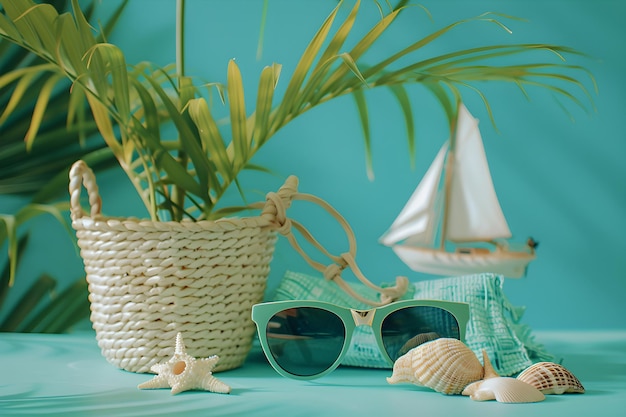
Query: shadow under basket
[150, 280]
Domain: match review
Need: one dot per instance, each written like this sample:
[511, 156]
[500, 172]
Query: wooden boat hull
[435, 261]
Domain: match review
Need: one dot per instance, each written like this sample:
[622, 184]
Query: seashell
[184, 372]
[416, 341]
[504, 390]
[551, 378]
[445, 365]
[489, 371]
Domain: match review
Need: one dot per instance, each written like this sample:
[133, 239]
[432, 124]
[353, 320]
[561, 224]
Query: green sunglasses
[308, 339]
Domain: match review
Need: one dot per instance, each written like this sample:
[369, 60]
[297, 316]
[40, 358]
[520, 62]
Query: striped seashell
[551, 378]
[445, 365]
[504, 390]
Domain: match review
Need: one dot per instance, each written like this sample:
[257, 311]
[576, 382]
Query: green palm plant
[185, 175]
[38, 173]
[41, 309]
[34, 103]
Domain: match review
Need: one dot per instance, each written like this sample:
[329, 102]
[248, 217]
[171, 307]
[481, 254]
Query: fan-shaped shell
[504, 390]
[445, 365]
[551, 378]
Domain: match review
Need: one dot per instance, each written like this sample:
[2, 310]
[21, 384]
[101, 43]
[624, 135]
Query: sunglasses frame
[351, 318]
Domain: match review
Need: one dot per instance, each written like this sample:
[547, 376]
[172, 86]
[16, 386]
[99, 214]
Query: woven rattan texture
[149, 280]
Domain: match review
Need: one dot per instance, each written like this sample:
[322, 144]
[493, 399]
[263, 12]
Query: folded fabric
[494, 323]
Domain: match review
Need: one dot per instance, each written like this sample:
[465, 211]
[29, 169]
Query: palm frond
[43, 130]
[190, 173]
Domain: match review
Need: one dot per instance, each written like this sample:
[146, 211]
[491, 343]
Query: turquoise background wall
[560, 177]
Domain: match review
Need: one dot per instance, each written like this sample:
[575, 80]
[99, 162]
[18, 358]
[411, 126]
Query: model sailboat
[453, 223]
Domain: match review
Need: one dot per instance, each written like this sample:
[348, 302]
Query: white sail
[419, 218]
[456, 202]
[474, 213]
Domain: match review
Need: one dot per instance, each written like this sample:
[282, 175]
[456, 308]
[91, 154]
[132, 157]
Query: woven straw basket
[150, 280]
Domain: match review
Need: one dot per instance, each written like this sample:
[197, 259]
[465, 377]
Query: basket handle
[274, 210]
[81, 174]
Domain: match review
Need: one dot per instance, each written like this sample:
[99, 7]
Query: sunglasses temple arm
[333, 272]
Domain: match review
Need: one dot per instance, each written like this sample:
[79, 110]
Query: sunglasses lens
[305, 341]
[409, 327]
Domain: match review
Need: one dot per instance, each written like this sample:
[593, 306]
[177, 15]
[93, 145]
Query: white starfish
[184, 372]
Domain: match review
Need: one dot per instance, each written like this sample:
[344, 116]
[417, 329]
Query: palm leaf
[62, 311]
[40, 108]
[28, 302]
[302, 68]
[265, 95]
[36, 141]
[8, 226]
[213, 143]
[206, 161]
[238, 118]
[334, 82]
[329, 55]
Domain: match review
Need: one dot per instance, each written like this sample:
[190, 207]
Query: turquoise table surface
[65, 375]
